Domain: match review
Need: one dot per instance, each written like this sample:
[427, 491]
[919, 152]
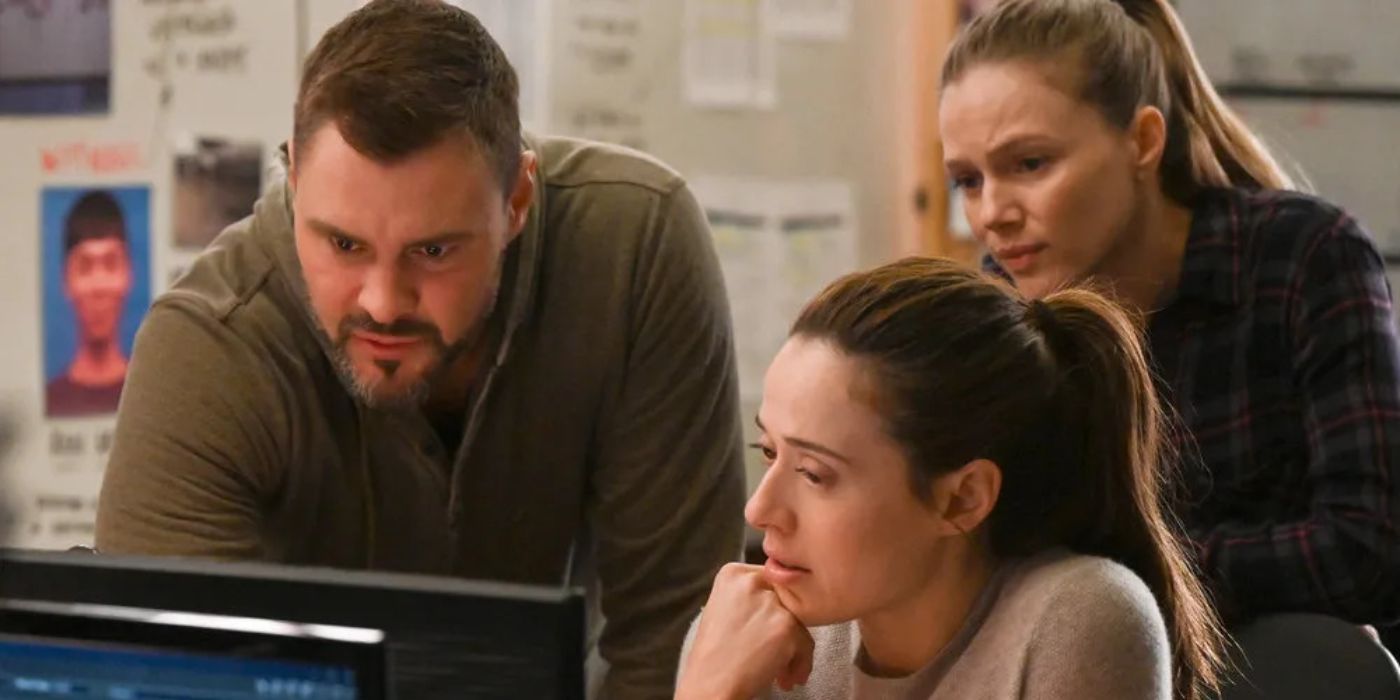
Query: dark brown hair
[1057, 393]
[95, 215]
[1124, 55]
[397, 76]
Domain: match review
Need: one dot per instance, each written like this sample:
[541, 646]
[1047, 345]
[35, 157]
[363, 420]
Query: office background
[807, 128]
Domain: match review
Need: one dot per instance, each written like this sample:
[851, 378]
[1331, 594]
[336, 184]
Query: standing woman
[1089, 144]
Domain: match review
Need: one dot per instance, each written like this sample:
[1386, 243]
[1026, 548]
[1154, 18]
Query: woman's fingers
[746, 639]
[799, 665]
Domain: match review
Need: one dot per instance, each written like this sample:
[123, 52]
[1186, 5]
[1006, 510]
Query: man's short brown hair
[397, 76]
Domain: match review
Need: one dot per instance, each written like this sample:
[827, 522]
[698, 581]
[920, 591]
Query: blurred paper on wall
[728, 58]
[779, 243]
[521, 27]
[817, 20]
[604, 43]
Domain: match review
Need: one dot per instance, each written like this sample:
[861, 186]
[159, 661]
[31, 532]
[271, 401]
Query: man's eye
[434, 251]
[1031, 165]
[343, 244]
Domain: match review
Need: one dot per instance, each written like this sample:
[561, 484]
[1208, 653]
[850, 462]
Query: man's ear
[522, 194]
[966, 496]
[1149, 135]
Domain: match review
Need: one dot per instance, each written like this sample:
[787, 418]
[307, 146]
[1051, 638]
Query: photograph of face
[55, 57]
[216, 183]
[96, 246]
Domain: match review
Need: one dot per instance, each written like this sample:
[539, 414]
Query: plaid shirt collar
[1211, 267]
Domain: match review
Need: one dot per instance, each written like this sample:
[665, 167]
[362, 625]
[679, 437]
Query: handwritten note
[193, 38]
[728, 58]
[605, 91]
[85, 157]
[779, 243]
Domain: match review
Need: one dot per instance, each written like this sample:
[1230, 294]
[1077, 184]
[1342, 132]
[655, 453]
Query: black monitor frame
[445, 637]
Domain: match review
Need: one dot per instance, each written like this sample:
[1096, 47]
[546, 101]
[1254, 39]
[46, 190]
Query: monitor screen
[88, 651]
[40, 666]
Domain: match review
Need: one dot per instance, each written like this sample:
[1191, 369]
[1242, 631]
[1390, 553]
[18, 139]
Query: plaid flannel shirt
[1279, 352]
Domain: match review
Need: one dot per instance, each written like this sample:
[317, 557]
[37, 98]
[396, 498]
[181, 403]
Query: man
[96, 280]
[434, 350]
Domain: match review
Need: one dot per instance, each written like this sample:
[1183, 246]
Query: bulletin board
[141, 126]
[794, 119]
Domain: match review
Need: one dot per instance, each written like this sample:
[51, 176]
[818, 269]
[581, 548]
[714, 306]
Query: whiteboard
[1297, 43]
[1341, 147]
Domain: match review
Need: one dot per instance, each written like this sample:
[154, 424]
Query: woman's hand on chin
[746, 641]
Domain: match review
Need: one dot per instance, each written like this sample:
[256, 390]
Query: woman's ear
[1149, 136]
[965, 497]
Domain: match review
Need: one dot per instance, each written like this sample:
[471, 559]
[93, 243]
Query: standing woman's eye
[966, 182]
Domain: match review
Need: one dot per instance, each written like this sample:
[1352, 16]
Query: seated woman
[964, 499]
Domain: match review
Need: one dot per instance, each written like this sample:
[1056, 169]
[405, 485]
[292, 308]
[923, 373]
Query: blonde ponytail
[1218, 150]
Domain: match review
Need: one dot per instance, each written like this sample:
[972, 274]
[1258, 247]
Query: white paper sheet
[604, 47]
[521, 27]
[728, 58]
[779, 243]
[57, 503]
[816, 223]
[818, 20]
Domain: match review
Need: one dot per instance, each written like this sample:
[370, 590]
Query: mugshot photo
[96, 288]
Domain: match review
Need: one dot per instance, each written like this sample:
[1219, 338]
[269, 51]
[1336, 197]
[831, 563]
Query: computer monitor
[444, 638]
[66, 650]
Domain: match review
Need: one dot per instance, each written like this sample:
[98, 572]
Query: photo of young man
[96, 249]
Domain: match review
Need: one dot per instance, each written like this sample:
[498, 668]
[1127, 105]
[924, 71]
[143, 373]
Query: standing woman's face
[1051, 189]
